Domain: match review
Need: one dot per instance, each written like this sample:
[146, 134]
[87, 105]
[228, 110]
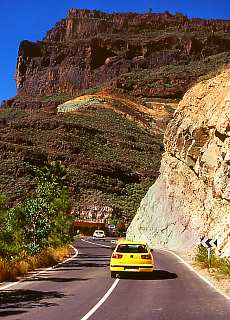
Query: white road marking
[108, 293]
[103, 299]
[199, 275]
[7, 286]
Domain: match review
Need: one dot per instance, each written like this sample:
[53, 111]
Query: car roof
[131, 242]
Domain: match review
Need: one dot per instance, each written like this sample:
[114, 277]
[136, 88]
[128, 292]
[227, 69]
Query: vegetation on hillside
[171, 80]
[104, 152]
[37, 225]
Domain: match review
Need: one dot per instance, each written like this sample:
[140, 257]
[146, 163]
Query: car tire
[113, 274]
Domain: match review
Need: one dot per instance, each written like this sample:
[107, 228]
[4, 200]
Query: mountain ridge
[90, 49]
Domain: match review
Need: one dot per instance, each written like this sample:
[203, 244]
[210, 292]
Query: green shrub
[201, 254]
[41, 220]
[57, 98]
[222, 265]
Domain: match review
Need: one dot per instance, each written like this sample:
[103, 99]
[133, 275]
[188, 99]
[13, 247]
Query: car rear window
[132, 248]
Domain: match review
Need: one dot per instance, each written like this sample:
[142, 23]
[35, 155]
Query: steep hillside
[111, 146]
[155, 55]
[191, 197]
[87, 67]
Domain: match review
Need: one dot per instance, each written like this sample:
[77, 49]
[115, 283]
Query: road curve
[71, 290]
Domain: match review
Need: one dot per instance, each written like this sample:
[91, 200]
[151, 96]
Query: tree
[9, 244]
[42, 219]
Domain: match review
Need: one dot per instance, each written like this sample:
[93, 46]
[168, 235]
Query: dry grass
[219, 280]
[11, 270]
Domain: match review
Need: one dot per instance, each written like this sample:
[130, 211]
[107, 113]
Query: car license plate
[131, 269]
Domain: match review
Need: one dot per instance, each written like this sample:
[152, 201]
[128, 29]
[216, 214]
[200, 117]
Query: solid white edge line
[40, 272]
[197, 273]
[96, 244]
[103, 299]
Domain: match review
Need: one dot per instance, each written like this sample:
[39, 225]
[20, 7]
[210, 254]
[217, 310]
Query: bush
[201, 254]
[41, 220]
[221, 265]
[224, 266]
[34, 231]
[10, 270]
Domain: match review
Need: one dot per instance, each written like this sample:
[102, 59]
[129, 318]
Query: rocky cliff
[191, 197]
[91, 48]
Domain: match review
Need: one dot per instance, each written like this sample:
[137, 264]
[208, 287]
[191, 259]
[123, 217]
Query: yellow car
[131, 256]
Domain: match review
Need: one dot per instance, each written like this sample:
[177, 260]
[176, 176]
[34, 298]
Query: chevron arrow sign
[208, 243]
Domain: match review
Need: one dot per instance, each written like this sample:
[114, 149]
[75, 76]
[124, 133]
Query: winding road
[82, 289]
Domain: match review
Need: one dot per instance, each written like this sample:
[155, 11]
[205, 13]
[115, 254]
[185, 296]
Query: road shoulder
[34, 273]
[218, 281]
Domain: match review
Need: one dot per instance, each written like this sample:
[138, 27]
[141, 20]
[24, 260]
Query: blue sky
[26, 19]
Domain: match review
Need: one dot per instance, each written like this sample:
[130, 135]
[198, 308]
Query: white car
[99, 234]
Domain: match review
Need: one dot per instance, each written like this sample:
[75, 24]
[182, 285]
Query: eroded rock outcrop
[191, 198]
[91, 48]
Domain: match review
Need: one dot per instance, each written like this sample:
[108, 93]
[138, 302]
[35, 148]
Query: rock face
[191, 198]
[90, 48]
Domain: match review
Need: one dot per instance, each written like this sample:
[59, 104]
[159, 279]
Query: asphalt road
[71, 290]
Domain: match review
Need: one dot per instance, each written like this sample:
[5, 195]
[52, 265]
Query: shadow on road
[155, 275]
[10, 313]
[68, 268]
[91, 256]
[11, 301]
[83, 261]
[57, 279]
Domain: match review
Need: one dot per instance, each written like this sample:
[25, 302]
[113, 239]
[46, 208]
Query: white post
[209, 257]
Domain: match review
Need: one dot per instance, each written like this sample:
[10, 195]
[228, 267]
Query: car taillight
[146, 256]
[116, 256]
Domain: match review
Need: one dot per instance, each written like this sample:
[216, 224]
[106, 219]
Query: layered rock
[90, 48]
[191, 197]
